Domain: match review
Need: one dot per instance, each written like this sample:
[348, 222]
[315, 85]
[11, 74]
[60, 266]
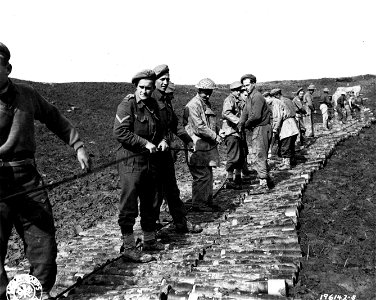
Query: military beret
[161, 70]
[250, 76]
[299, 90]
[326, 90]
[4, 52]
[235, 85]
[275, 91]
[170, 88]
[311, 87]
[144, 74]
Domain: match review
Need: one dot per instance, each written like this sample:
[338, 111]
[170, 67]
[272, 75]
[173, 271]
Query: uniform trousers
[167, 189]
[260, 142]
[32, 217]
[287, 146]
[235, 153]
[202, 185]
[308, 124]
[138, 179]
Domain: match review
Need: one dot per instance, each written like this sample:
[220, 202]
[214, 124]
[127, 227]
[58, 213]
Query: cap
[311, 87]
[343, 93]
[275, 91]
[161, 70]
[206, 84]
[266, 94]
[4, 52]
[299, 90]
[326, 90]
[170, 88]
[236, 85]
[250, 76]
[144, 74]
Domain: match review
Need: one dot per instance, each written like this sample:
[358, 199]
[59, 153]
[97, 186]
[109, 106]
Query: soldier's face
[162, 82]
[145, 88]
[301, 94]
[5, 70]
[205, 94]
[248, 85]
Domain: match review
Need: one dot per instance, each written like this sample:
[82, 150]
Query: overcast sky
[77, 40]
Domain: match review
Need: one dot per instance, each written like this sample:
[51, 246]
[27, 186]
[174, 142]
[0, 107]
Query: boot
[132, 253]
[151, 243]
[188, 228]
[262, 188]
[286, 165]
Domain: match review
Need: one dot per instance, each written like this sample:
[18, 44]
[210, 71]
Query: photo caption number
[336, 297]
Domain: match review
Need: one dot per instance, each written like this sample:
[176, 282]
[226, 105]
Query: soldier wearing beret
[232, 137]
[309, 108]
[20, 106]
[167, 185]
[256, 118]
[138, 129]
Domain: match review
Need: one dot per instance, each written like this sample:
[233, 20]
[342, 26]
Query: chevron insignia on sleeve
[123, 119]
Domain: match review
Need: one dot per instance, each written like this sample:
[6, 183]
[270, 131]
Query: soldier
[200, 123]
[309, 107]
[20, 106]
[138, 129]
[340, 107]
[299, 113]
[235, 150]
[167, 186]
[256, 118]
[284, 126]
[246, 173]
[325, 105]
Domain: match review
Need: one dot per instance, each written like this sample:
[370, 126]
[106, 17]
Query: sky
[111, 40]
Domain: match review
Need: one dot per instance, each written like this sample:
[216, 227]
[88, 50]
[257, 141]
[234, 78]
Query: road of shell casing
[249, 250]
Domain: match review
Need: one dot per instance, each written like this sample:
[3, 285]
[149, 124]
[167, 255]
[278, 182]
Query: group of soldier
[145, 126]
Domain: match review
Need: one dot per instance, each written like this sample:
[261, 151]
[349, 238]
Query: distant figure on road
[300, 112]
[234, 140]
[325, 105]
[340, 107]
[200, 123]
[31, 214]
[256, 118]
[309, 107]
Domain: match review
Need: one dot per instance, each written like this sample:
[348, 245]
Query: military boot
[132, 253]
[286, 165]
[151, 243]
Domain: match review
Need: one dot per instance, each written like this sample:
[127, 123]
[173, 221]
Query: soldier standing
[200, 124]
[232, 137]
[20, 106]
[309, 107]
[299, 113]
[256, 118]
[325, 105]
[167, 185]
[138, 129]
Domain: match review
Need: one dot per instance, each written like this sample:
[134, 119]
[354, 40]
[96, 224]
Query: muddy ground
[337, 222]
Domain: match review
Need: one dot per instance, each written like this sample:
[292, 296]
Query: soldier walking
[309, 108]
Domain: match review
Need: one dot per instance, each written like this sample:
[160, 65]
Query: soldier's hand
[151, 147]
[191, 146]
[163, 146]
[83, 159]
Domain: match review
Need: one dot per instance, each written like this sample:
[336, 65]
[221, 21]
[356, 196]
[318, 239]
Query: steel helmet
[206, 84]
[311, 87]
[326, 90]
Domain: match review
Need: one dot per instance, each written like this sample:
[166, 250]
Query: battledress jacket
[256, 111]
[231, 115]
[199, 121]
[308, 103]
[20, 106]
[284, 123]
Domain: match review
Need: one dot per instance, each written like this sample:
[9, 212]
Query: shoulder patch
[121, 120]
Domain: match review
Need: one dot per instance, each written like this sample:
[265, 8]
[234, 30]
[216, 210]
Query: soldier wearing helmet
[256, 118]
[309, 107]
[300, 112]
[232, 137]
[200, 123]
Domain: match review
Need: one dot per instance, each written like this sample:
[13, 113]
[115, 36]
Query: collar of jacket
[252, 92]
[204, 102]
[160, 97]
[5, 89]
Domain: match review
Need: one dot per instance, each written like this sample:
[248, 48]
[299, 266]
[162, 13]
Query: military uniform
[167, 185]
[136, 123]
[308, 117]
[31, 214]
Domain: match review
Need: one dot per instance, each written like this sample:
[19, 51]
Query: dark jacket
[256, 112]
